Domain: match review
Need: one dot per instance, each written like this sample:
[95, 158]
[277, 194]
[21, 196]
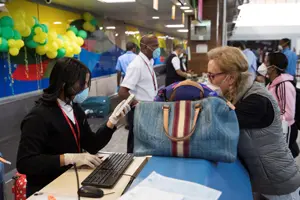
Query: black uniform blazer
[46, 135]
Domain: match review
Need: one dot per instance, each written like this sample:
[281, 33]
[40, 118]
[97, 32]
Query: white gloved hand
[82, 159]
[188, 75]
[114, 119]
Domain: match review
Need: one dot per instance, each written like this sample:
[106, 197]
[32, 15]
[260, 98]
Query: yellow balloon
[37, 38]
[71, 35]
[51, 54]
[52, 35]
[43, 35]
[69, 50]
[87, 16]
[12, 43]
[77, 50]
[87, 26]
[92, 29]
[14, 51]
[69, 55]
[60, 43]
[19, 25]
[20, 43]
[42, 50]
[29, 21]
[26, 32]
[53, 46]
[80, 41]
[38, 30]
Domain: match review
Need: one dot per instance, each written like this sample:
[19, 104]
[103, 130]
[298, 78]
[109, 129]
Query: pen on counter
[4, 161]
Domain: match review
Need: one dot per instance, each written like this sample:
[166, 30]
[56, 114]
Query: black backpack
[297, 111]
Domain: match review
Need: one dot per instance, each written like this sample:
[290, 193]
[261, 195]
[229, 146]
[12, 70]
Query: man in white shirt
[175, 69]
[140, 79]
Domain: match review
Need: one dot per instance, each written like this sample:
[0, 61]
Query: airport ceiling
[138, 13]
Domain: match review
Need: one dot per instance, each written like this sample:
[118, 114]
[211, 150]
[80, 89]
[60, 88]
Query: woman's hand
[114, 119]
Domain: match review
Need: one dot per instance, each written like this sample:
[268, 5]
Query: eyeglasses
[212, 76]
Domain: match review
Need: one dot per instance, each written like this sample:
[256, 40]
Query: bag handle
[187, 83]
[166, 111]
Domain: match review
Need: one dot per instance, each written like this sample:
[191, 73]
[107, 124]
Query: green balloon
[94, 22]
[4, 45]
[73, 29]
[31, 44]
[82, 34]
[7, 32]
[7, 21]
[17, 35]
[36, 20]
[61, 53]
[45, 28]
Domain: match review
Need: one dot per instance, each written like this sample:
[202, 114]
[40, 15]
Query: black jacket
[172, 76]
[45, 136]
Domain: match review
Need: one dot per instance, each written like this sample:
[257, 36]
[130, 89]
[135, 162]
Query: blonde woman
[262, 147]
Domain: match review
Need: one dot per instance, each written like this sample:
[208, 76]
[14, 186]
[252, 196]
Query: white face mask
[216, 88]
[280, 48]
[262, 69]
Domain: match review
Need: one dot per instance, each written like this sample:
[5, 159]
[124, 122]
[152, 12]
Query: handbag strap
[166, 111]
[187, 83]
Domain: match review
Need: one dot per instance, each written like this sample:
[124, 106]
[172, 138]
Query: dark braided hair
[69, 75]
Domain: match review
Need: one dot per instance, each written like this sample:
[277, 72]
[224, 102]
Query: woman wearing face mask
[284, 92]
[262, 146]
[56, 130]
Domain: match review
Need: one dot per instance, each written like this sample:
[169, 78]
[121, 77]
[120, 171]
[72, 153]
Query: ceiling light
[116, 1]
[183, 30]
[184, 7]
[179, 4]
[173, 12]
[188, 11]
[101, 28]
[155, 4]
[110, 27]
[2, 4]
[57, 22]
[155, 17]
[116, 34]
[175, 26]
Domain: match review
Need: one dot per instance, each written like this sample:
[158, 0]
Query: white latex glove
[82, 159]
[188, 75]
[114, 119]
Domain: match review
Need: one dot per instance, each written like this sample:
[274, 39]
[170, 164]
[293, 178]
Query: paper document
[171, 186]
[145, 193]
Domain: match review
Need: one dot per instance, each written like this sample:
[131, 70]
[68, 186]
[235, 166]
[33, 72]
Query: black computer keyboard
[108, 173]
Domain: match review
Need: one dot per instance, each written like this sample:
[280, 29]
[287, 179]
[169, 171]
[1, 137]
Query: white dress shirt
[138, 78]
[67, 109]
[176, 61]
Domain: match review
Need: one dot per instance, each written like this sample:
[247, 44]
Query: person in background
[174, 68]
[183, 62]
[284, 47]
[262, 146]
[140, 79]
[56, 130]
[124, 60]
[251, 58]
[284, 92]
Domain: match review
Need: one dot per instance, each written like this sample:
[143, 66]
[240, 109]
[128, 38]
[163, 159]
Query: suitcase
[96, 106]
[19, 188]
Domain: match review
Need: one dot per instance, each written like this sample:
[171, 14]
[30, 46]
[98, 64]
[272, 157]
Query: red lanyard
[152, 74]
[76, 137]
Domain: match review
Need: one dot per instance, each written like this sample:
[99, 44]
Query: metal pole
[224, 25]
